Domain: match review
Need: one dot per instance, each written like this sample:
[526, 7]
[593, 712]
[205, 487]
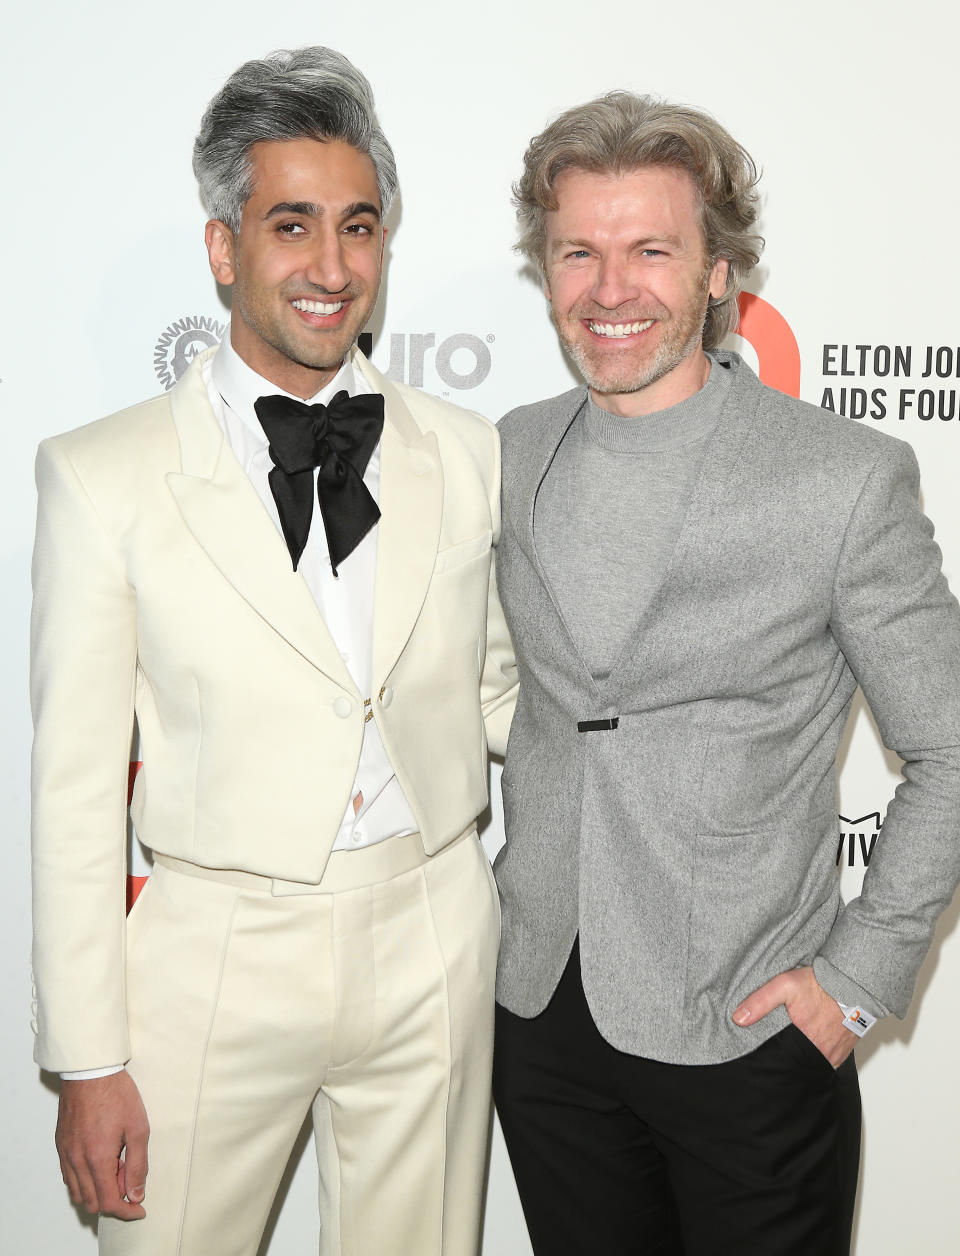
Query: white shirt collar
[240, 385]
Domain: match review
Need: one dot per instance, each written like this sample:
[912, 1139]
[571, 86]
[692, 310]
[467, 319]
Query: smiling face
[628, 280]
[305, 265]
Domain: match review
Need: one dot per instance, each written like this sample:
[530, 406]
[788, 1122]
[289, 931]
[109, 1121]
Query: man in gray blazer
[697, 572]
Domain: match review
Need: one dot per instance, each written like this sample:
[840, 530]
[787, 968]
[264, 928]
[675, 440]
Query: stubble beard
[681, 337]
[319, 353]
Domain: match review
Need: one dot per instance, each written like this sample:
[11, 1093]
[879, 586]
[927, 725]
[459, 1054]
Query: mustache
[293, 289]
[597, 314]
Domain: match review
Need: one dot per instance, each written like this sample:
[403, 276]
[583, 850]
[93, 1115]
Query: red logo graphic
[769, 333]
[134, 884]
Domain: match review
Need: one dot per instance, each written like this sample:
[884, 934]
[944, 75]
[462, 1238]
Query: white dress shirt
[378, 808]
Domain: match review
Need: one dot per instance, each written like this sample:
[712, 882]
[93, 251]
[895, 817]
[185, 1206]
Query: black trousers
[615, 1154]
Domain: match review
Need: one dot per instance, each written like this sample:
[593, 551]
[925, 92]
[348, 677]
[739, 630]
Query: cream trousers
[368, 1003]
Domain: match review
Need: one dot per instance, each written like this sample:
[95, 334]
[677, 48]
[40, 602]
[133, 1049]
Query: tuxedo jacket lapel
[221, 508]
[411, 509]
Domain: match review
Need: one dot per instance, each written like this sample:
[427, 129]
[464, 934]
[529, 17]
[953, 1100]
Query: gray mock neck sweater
[610, 509]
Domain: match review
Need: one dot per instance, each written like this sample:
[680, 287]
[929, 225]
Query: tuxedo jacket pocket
[455, 555]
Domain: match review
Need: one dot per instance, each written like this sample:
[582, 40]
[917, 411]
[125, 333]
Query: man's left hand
[810, 1008]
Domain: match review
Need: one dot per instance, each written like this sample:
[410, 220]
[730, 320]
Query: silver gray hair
[622, 132]
[313, 93]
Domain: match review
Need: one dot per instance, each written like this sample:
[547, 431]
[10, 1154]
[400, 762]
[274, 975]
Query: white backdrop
[848, 108]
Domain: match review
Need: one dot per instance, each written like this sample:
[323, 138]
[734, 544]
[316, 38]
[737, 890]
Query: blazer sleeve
[898, 626]
[83, 666]
[499, 682]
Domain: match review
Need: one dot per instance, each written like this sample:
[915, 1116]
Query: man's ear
[221, 250]
[717, 281]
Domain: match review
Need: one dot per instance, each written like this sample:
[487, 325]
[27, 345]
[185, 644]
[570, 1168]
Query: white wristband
[856, 1019]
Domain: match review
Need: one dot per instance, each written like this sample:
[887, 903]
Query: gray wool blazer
[693, 846]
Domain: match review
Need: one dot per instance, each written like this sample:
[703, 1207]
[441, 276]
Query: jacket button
[342, 708]
[386, 695]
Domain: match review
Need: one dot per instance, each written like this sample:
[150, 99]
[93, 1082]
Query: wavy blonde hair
[621, 132]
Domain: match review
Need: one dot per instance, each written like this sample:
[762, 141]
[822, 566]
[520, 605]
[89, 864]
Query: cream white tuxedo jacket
[163, 590]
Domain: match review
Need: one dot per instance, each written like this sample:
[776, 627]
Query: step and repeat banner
[848, 110]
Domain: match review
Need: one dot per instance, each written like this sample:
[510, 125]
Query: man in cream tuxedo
[697, 572]
[295, 601]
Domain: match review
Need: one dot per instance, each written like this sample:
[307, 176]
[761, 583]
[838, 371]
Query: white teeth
[620, 329]
[317, 307]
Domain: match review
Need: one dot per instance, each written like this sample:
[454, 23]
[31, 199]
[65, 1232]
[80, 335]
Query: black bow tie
[339, 439]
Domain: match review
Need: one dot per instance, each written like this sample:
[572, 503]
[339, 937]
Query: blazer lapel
[534, 465]
[221, 508]
[411, 509]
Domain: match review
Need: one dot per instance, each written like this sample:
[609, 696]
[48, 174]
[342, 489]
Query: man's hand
[809, 1007]
[98, 1118]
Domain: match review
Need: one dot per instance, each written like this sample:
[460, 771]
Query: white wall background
[849, 109]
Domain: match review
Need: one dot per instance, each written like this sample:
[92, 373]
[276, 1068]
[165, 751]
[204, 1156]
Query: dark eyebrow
[361, 207]
[307, 209]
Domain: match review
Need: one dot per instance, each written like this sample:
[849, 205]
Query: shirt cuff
[843, 989]
[88, 1074]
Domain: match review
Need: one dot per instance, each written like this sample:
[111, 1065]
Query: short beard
[631, 380]
[633, 377]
